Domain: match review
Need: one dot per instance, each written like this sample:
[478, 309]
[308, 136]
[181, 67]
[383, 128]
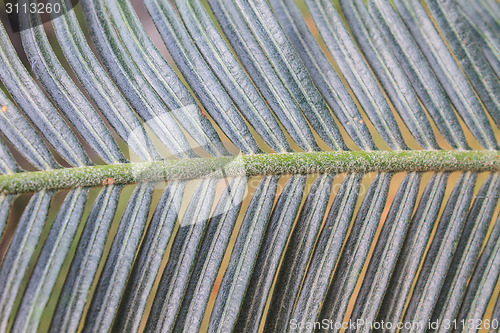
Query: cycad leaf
[119, 262]
[447, 70]
[322, 73]
[488, 13]
[126, 75]
[149, 258]
[483, 280]
[355, 250]
[182, 258]
[327, 251]
[298, 252]
[496, 311]
[226, 67]
[237, 276]
[484, 33]
[210, 257]
[265, 76]
[158, 74]
[77, 285]
[270, 254]
[24, 137]
[199, 75]
[440, 253]
[418, 71]
[253, 261]
[413, 249]
[389, 72]
[20, 252]
[491, 7]
[50, 261]
[63, 90]
[36, 106]
[7, 162]
[98, 84]
[5, 206]
[356, 71]
[460, 40]
[386, 251]
[468, 250]
[266, 29]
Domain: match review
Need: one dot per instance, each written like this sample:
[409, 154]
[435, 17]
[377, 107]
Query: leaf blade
[237, 275]
[106, 298]
[72, 300]
[208, 262]
[50, 261]
[356, 71]
[182, 258]
[15, 263]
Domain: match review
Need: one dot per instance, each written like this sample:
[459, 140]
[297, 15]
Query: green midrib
[253, 165]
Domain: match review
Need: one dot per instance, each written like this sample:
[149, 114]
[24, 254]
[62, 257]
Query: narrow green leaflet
[270, 254]
[462, 43]
[148, 261]
[36, 106]
[109, 290]
[440, 254]
[356, 71]
[76, 288]
[271, 37]
[389, 72]
[199, 76]
[479, 14]
[298, 252]
[127, 77]
[265, 76]
[491, 7]
[210, 255]
[182, 257]
[49, 262]
[327, 250]
[162, 79]
[484, 279]
[447, 70]
[7, 165]
[7, 162]
[490, 11]
[385, 254]
[468, 251]
[484, 34]
[24, 137]
[243, 258]
[98, 84]
[496, 313]
[63, 91]
[230, 73]
[20, 252]
[413, 249]
[323, 74]
[6, 201]
[418, 71]
[355, 250]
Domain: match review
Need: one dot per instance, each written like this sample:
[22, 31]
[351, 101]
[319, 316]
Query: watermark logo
[383, 326]
[22, 13]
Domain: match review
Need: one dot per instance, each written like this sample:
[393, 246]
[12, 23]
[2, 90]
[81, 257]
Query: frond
[246, 165]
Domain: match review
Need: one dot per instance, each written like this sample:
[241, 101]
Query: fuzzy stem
[253, 165]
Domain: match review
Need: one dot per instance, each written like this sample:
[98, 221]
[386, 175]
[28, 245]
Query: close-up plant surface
[250, 165]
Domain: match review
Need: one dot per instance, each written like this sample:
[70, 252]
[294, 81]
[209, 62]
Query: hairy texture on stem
[253, 165]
